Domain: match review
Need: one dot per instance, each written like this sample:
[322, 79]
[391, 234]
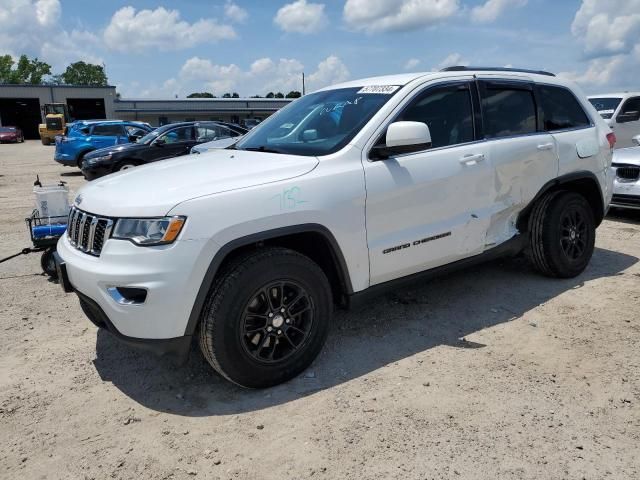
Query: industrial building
[21, 106]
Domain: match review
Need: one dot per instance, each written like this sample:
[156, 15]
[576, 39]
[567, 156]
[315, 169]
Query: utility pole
[303, 92]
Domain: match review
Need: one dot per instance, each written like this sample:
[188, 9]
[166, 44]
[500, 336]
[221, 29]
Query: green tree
[81, 73]
[25, 71]
[6, 63]
[270, 95]
[235, 95]
[226, 95]
[279, 95]
[201, 95]
[293, 94]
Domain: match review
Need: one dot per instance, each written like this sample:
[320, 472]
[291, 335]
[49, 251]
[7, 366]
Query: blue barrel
[43, 231]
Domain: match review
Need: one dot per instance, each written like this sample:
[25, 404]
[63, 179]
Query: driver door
[432, 207]
[173, 143]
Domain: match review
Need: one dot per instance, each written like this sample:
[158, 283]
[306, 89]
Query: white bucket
[52, 201]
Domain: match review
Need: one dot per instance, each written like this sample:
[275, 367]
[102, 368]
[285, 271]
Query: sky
[155, 49]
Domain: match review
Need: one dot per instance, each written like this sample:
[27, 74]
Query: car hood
[628, 156]
[152, 190]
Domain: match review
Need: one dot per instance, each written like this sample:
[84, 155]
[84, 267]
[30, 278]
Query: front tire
[562, 234]
[266, 318]
[48, 263]
[126, 166]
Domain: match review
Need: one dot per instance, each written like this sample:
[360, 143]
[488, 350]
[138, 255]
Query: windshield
[151, 136]
[7, 129]
[318, 124]
[606, 107]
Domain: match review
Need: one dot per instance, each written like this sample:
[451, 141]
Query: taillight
[611, 137]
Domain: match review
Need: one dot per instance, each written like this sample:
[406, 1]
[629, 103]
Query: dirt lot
[494, 372]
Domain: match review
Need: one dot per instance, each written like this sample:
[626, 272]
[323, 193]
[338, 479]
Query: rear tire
[45, 141]
[266, 318]
[562, 234]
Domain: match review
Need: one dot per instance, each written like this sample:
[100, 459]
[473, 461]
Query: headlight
[93, 160]
[149, 231]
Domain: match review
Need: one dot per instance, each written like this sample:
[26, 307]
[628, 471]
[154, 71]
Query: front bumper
[170, 274]
[626, 194]
[91, 172]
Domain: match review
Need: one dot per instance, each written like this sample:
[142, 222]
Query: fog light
[128, 295]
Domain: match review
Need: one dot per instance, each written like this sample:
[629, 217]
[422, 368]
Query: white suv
[340, 195]
[622, 112]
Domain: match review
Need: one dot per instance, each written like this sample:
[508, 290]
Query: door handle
[546, 146]
[472, 159]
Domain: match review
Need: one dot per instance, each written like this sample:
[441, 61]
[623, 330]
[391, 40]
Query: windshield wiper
[260, 149]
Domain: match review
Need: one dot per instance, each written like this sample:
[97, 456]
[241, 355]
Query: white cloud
[162, 29]
[454, 59]
[32, 27]
[397, 15]
[610, 35]
[492, 9]
[331, 70]
[262, 76]
[411, 64]
[608, 27]
[235, 13]
[301, 17]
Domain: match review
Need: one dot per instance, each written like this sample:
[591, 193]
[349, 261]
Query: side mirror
[628, 117]
[159, 142]
[134, 138]
[403, 137]
[310, 135]
[636, 140]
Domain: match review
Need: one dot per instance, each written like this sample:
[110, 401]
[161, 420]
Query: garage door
[23, 113]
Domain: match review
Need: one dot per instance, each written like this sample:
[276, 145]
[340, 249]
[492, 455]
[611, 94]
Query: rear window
[560, 109]
[606, 106]
[508, 111]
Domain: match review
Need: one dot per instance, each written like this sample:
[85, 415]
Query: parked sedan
[626, 184]
[165, 142]
[11, 134]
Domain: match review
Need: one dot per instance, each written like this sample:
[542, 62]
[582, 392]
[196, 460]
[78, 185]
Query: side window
[208, 134]
[508, 111]
[560, 109]
[446, 111]
[107, 130]
[182, 134]
[630, 111]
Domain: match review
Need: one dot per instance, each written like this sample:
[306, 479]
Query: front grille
[628, 172]
[88, 232]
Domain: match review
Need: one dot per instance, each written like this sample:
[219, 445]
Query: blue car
[84, 136]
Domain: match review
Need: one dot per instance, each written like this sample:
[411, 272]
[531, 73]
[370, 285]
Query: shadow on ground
[624, 215]
[75, 173]
[439, 312]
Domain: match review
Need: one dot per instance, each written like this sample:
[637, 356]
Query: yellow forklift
[56, 117]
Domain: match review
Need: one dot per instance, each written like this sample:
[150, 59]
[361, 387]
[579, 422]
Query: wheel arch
[312, 240]
[81, 154]
[584, 182]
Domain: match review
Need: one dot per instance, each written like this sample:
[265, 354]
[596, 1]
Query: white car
[339, 196]
[622, 112]
[626, 186]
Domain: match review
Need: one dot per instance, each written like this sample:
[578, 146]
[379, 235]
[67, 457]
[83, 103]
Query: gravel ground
[493, 372]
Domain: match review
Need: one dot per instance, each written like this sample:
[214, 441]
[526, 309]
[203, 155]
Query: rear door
[107, 135]
[523, 157]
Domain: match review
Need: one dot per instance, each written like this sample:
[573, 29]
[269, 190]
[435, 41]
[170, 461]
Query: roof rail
[461, 68]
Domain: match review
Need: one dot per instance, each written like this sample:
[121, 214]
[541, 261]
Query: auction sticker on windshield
[379, 89]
